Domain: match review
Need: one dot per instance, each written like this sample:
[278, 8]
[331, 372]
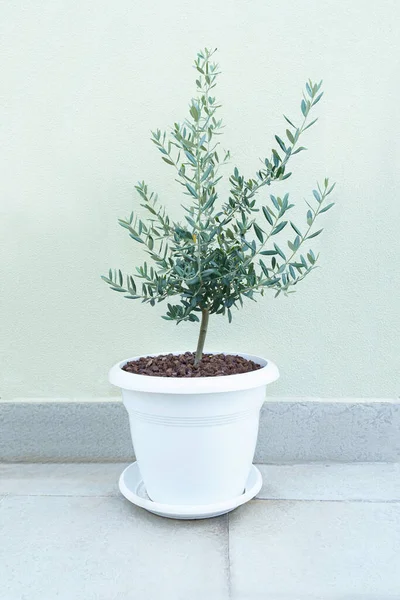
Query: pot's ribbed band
[198, 421]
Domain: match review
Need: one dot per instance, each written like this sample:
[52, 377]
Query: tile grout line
[13, 495]
[116, 495]
[342, 500]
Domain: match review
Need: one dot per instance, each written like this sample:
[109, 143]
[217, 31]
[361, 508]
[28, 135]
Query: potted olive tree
[194, 415]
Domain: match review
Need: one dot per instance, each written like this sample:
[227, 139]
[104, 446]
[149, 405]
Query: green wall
[83, 84]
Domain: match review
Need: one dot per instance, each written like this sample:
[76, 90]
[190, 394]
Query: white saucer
[132, 487]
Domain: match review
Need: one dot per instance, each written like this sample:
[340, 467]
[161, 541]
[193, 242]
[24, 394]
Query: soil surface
[182, 365]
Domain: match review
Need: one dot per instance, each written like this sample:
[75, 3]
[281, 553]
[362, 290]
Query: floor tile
[106, 549]
[60, 479]
[285, 550]
[352, 481]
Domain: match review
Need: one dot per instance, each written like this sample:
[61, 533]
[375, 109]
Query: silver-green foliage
[224, 251]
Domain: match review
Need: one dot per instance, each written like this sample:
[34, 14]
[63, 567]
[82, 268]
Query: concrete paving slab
[60, 479]
[319, 532]
[105, 549]
[300, 550]
[316, 481]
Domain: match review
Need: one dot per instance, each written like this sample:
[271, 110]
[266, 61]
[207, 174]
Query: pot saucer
[132, 487]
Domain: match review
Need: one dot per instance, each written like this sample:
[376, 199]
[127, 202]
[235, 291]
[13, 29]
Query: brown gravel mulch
[182, 365]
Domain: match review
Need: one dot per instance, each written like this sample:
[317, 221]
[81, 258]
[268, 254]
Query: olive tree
[225, 250]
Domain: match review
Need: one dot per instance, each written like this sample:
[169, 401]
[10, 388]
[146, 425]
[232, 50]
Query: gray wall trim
[291, 430]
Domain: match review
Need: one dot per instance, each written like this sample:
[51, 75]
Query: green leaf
[190, 221]
[149, 208]
[304, 107]
[272, 281]
[194, 112]
[289, 136]
[290, 122]
[136, 238]
[191, 190]
[132, 284]
[267, 215]
[326, 207]
[284, 204]
[318, 99]
[280, 142]
[300, 149]
[309, 217]
[191, 158]
[275, 202]
[264, 268]
[206, 173]
[279, 227]
[210, 202]
[258, 232]
[316, 196]
[292, 272]
[276, 158]
[310, 124]
[211, 272]
[295, 228]
[193, 280]
[280, 252]
[268, 252]
[167, 160]
[150, 242]
[314, 234]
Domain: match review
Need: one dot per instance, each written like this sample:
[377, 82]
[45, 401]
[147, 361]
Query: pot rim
[194, 385]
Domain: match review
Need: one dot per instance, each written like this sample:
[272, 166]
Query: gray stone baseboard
[291, 430]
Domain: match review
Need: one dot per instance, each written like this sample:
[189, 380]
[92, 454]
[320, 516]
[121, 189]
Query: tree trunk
[202, 336]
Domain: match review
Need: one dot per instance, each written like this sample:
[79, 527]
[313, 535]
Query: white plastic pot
[194, 438]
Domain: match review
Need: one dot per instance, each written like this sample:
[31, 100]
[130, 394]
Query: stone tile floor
[315, 532]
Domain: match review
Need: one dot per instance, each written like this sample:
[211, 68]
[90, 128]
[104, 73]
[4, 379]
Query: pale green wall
[84, 82]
